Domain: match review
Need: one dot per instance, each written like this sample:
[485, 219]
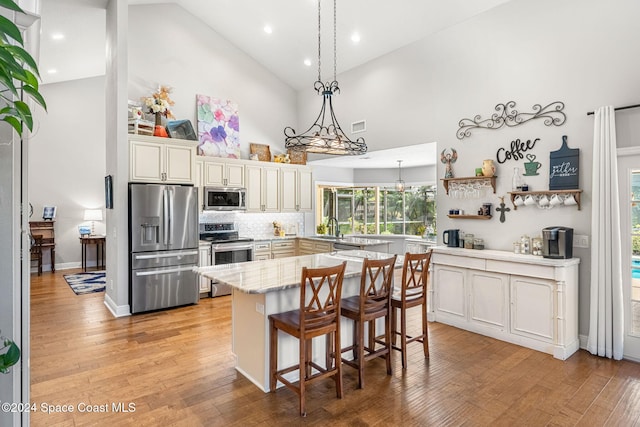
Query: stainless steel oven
[226, 248]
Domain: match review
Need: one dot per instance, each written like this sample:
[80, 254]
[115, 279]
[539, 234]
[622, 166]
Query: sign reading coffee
[564, 167]
[515, 150]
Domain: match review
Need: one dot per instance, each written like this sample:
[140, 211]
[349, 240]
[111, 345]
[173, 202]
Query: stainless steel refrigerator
[163, 246]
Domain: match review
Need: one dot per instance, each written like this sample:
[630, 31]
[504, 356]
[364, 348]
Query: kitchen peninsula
[261, 288]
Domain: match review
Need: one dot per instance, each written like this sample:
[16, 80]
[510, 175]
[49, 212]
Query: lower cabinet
[262, 250]
[283, 248]
[204, 259]
[523, 299]
[310, 247]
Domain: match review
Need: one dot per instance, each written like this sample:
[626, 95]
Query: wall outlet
[580, 241]
[260, 308]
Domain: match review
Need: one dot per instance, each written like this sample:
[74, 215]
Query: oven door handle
[225, 247]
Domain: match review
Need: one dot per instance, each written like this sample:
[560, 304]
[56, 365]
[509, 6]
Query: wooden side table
[99, 242]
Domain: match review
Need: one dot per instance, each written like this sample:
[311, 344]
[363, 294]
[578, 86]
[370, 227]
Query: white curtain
[606, 325]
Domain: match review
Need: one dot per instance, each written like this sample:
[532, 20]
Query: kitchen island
[261, 288]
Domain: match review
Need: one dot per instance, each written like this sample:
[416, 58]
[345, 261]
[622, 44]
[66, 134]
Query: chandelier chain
[335, 49]
[319, 39]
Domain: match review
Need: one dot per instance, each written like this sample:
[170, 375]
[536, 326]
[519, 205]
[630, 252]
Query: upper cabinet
[263, 188]
[161, 160]
[296, 189]
[222, 173]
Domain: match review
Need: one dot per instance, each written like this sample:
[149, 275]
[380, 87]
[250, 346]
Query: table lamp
[93, 215]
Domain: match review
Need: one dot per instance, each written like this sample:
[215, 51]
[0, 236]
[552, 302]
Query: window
[380, 210]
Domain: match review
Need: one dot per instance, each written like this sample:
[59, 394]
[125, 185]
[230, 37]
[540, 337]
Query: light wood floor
[176, 367]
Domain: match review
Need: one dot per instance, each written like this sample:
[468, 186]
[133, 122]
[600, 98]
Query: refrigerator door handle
[167, 271]
[166, 255]
[165, 217]
[171, 194]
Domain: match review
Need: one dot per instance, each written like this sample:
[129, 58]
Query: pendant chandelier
[325, 136]
[400, 182]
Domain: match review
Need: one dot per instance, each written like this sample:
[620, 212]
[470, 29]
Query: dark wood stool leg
[273, 355]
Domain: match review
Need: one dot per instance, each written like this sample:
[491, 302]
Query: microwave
[224, 199]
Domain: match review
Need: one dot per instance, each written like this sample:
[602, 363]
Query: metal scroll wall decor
[507, 115]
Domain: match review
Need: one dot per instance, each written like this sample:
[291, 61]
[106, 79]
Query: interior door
[629, 185]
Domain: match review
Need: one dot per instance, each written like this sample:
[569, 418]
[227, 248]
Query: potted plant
[18, 73]
[18, 76]
[10, 354]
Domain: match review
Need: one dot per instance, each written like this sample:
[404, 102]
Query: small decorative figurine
[502, 209]
[448, 159]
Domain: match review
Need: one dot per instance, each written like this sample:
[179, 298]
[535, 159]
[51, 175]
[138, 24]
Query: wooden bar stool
[376, 286]
[319, 314]
[412, 293]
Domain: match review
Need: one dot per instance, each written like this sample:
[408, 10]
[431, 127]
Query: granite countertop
[257, 277]
[494, 255]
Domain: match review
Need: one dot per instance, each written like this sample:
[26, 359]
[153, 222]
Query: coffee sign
[564, 167]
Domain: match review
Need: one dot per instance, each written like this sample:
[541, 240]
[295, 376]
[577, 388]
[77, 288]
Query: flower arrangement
[277, 229]
[159, 102]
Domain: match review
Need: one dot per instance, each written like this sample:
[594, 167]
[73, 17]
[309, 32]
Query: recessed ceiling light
[307, 62]
[355, 37]
[268, 29]
[52, 71]
[57, 36]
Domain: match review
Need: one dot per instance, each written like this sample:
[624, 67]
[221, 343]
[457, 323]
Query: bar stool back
[376, 285]
[319, 314]
[412, 293]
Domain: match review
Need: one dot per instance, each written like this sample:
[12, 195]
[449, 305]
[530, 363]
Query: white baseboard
[116, 310]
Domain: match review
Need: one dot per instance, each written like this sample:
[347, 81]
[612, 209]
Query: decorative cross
[502, 209]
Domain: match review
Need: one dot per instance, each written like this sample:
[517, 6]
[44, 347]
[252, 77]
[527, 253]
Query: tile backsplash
[256, 225]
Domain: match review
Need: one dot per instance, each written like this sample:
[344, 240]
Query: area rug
[86, 283]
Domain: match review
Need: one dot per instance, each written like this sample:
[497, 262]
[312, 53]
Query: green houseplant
[18, 76]
[18, 72]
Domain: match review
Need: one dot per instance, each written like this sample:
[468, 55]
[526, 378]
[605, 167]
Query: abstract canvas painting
[218, 127]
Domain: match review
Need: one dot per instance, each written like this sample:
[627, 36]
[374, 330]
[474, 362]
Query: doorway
[629, 185]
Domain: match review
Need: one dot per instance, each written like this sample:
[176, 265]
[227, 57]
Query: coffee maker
[557, 242]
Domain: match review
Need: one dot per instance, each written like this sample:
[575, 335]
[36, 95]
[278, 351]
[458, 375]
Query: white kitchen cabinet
[533, 308]
[223, 173]
[283, 248]
[523, 299]
[161, 160]
[310, 247]
[296, 189]
[262, 183]
[262, 250]
[489, 299]
[204, 259]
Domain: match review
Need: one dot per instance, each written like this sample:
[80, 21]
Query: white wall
[67, 161]
[574, 51]
[194, 59]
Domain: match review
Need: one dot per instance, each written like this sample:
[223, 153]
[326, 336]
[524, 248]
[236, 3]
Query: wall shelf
[470, 179]
[470, 216]
[537, 194]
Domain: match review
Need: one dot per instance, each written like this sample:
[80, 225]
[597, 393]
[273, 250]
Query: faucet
[337, 228]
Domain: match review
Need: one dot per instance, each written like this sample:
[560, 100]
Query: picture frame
[108, 191]
[49, 213]
[181, 129]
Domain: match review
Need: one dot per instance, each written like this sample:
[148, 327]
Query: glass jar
[468, 241]
[478, 243]
[525, 245]
[516, 183]
[516, 247]
[536, 246]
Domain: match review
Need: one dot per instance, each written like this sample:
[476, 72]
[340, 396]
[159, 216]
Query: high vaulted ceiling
[383, 26]
[73, 40]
